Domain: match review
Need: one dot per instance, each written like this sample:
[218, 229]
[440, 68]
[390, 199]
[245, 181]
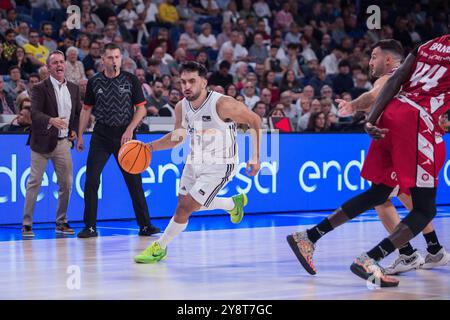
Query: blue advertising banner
[300, 172]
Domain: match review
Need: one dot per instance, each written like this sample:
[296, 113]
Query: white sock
[172, 230]
[220, 203]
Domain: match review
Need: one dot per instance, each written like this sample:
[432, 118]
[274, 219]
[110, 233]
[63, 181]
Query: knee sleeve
[424, 209]
[376, 195]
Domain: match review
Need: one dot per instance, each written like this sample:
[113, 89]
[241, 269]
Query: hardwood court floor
[232, 263]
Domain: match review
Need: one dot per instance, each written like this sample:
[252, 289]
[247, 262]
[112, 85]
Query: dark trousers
[105, 141]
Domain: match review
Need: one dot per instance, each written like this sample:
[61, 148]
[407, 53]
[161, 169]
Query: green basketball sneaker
[152, 254]
[237, 213]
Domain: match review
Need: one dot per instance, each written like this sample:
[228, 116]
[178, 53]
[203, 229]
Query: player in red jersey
[404, 142]
[385, 59]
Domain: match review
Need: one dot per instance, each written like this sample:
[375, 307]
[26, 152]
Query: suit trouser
[62, 162]
[105, 141]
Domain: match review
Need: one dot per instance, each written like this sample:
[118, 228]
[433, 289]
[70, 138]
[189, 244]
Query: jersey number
[427, 75]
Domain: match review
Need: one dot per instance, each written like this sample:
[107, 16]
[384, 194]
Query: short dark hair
[344, 63]
[71, 38]
[12, 68]
[258, 32]
[153, 62]
[292, 46]
[111, 46]
[193, 66]
[225, 64]
[339, 48]
[9, 31]
[158, 79]
[94, 42]
[259, 102]
[45, 24]
[305, 37]
[34, 75]
[390, 45]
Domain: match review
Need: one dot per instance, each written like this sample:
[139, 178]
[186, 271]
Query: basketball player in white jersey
[210, 119]
[386, 57]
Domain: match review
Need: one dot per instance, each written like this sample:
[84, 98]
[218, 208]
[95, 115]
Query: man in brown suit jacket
[55, 110]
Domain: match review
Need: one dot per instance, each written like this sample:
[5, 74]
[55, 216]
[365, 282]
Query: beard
[376, 72]
[194, 96]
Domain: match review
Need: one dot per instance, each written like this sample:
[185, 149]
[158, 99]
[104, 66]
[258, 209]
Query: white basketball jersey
[213, 141]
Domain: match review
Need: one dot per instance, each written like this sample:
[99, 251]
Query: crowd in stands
[280, 58]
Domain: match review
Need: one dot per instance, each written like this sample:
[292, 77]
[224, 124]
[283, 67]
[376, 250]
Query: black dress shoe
[149, 230]
[88, 232]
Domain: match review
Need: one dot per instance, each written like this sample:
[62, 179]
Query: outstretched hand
[345, 108]
[375, 132]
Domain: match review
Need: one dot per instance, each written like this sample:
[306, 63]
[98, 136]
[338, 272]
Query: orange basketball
[134, 156]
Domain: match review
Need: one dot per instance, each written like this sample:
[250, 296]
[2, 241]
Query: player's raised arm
[230, 108]
[174, 138]
[364, 101]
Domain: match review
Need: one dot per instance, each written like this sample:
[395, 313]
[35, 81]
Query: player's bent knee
[424, 209]
[375, 196]
[379, 194]
[424, 201]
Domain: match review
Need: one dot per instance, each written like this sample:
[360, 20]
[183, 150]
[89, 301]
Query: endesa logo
[342, 175]
[312, 174]
[17, 182]
[14, 182]
[265, 181]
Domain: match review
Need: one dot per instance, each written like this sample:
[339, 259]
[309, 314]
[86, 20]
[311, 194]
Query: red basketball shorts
[408, 155]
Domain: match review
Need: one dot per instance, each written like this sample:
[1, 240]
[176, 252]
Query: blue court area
[198, 223]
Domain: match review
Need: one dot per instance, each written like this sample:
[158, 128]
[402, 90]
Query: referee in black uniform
[116, 100]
